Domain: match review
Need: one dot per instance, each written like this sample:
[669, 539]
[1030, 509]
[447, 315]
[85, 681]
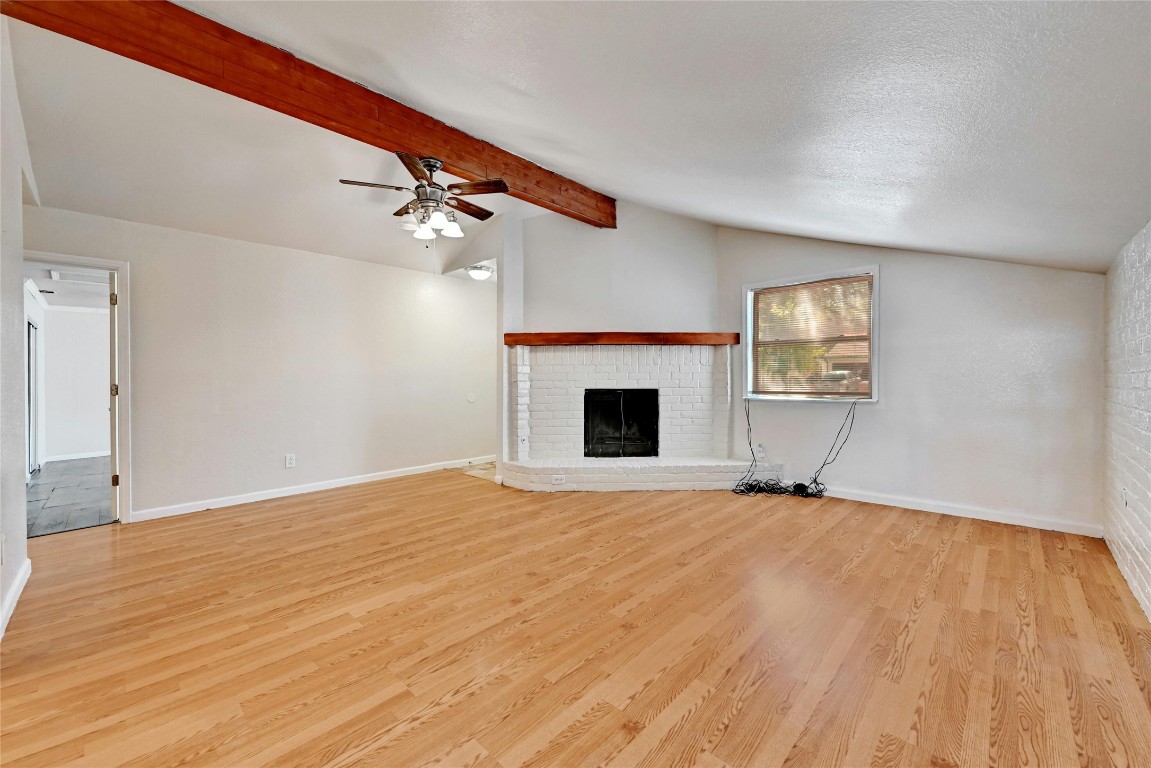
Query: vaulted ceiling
[1014, 131]
[1019, 131]
[113, 137]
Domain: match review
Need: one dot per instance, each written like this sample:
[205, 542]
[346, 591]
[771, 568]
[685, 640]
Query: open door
[114, 393]
[32, 404]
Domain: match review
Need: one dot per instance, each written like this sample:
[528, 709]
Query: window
[812, 339]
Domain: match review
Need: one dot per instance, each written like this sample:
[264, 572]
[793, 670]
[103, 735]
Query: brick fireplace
[550, 377]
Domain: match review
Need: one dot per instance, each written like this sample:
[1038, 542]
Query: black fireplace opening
[620, 422]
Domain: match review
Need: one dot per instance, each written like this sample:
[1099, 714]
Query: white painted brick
[1127, 415]
[549, 382]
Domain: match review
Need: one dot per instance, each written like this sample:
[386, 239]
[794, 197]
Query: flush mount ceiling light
[426, 215]
[479, 271]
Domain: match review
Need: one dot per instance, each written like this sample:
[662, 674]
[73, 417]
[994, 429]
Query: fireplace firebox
[621, 422]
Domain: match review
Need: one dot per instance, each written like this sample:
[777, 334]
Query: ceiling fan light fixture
[425, 215]
[438, 220]
[452, 228]
[479, 271]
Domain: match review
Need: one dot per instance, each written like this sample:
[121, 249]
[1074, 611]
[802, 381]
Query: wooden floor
[444, 620]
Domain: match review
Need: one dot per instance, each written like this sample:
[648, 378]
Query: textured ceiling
[1018, 131]
[113, 137]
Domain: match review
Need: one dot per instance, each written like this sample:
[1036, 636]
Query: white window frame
[749, 337]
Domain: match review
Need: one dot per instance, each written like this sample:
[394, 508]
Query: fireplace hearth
[620, 412]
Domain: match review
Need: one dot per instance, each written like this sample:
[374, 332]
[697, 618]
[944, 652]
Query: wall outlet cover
[559, 479]
[289, 460]
[772, 471]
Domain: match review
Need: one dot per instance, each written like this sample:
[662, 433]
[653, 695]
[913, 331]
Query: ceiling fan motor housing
[431, 164]
[430, 196]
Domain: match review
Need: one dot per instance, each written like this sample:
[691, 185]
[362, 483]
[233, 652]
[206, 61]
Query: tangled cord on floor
[812, 489]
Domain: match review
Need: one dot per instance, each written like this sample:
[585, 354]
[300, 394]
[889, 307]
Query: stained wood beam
[619, 337]
[176, 40]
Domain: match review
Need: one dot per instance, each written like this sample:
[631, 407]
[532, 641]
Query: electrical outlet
[559, 479]
[759, 452]
[289, 461]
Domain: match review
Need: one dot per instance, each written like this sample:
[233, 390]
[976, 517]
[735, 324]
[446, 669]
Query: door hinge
[115, 390]
[115, 481]
[113, 299]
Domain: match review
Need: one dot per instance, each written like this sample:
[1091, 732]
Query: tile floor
[484, 471]
[66, 495]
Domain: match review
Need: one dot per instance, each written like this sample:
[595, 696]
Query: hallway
[66, 495]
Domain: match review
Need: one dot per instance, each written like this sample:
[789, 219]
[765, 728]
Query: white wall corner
[12, 593]
[509, 319]
[1127, 415]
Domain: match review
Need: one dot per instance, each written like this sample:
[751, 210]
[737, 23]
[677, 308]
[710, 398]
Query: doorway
[32, 402]
[73, 410]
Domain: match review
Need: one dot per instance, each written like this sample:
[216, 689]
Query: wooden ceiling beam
[176, 40]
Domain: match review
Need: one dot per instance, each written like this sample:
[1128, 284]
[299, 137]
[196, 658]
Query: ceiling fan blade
[489, 187]
[372, 184]
[403, 209]
[415, 167]
[471, 209]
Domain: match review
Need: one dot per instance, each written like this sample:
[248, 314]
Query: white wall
[655, 272]
[1127, 486]
[243, 352]
[14, 169]
[76, 380]
[990, 391]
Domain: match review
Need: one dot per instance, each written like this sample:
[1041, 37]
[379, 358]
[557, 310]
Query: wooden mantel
[619, 337]
[169, 37]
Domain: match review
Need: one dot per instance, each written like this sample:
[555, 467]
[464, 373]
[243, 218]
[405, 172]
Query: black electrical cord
[813, 489]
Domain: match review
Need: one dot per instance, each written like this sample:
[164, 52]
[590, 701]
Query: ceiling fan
[425, 215]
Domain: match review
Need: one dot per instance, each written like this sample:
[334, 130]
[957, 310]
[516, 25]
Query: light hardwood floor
[444, 620]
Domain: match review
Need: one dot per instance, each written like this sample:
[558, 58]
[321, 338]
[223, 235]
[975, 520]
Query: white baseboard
[71, 456]
[276, 493]
[964, 510]
[12, 594]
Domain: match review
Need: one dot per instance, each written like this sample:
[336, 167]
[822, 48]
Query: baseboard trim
[1123, 558]
[15, 589]
[965, 510]
[276, 493]
[72, 456]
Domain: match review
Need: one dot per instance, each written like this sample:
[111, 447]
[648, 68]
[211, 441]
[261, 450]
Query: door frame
[122, 436]
[32, 399]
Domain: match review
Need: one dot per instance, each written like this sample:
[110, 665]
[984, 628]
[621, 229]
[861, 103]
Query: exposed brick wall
[1127, 489]
[694, 395]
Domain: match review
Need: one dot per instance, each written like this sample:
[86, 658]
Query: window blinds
[813, 339]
